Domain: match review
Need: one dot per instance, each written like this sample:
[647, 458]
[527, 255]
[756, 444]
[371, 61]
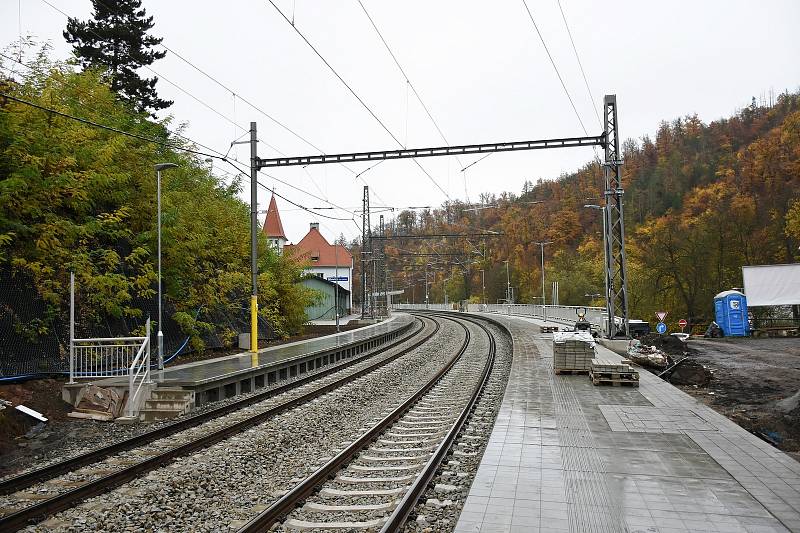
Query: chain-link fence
[34, 340]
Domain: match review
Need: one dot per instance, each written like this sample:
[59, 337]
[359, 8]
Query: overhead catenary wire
[409, 85]
[88, 122]
[173, 146]
[300, 206]
[208, 106]
[357, 97]
[160, 76]
[552, 62]
[176, 134]
[236, 95]
[580, 64]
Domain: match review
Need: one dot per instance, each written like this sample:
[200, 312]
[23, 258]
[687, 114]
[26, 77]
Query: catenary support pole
[254, 238]
[614, 236]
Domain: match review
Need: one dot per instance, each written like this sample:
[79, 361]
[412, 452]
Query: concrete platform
[223, 377]
[566, 455]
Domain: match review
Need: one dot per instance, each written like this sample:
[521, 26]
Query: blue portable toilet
[730, 308]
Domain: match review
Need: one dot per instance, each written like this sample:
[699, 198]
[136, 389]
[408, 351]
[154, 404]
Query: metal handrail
[111, 339]
[136, 370]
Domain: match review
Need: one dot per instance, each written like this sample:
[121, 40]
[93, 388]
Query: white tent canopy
[772, 284]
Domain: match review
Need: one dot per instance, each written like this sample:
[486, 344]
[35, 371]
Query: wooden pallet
[570, 371]
[614, 382]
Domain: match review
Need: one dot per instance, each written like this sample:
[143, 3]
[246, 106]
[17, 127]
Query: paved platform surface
[193, 374]
[566, 455]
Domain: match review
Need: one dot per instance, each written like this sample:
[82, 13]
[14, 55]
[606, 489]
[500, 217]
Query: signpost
[682, 323]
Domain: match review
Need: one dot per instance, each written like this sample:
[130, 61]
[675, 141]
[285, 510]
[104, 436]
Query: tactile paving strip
[593, 503]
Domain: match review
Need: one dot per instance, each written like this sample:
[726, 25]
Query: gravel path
[229, 482]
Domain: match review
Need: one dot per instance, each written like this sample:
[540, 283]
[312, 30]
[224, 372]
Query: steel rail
[409, 501]
[265, 520]
[39, 511]
[27, 479]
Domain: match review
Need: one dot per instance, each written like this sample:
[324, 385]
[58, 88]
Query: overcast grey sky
[479, 67]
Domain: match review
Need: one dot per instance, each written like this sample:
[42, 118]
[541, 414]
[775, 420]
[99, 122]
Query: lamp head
[163, 166]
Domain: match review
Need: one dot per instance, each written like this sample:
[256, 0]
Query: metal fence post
[72, 327]
[147, 357]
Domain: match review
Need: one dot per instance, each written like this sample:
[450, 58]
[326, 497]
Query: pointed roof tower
[273, 227]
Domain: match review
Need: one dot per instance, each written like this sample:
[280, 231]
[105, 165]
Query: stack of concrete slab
[616, 373]
[573, 352]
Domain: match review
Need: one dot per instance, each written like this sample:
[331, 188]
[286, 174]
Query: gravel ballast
[228, 483]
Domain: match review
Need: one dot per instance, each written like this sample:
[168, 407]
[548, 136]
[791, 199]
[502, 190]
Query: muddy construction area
[755, 382]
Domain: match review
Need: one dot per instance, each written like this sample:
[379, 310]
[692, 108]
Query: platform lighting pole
[254, 237]
[544, 301]
[426, 286]
[602, 210]
[483, 286]
[159, 167]
[336, 287]
[508, 284]
[444, 289]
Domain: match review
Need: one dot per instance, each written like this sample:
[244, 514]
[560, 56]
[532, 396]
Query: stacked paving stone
[573, 351]
[613, 373]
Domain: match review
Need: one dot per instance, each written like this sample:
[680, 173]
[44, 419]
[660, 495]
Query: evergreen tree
[116, 42]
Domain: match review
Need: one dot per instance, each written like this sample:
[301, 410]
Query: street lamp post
[336, 287]
[544, 301]
[483, 286]
[159, 167]
[602, 210]
[508, 284]
[444, 289]
[426, 286]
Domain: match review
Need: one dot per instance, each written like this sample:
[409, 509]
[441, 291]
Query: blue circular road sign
[661, 328]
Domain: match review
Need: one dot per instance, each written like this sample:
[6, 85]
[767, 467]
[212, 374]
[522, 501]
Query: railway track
[376, 481]
[82, 477]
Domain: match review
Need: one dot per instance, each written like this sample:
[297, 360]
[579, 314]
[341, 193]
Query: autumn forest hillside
[701, 200]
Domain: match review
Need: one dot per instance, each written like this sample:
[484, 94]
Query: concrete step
[152, 415]
[167, 393]
[168, 404]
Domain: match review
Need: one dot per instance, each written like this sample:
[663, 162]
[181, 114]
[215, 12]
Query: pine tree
[116, 42]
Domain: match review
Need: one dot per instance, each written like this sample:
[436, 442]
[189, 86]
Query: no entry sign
[682, 322]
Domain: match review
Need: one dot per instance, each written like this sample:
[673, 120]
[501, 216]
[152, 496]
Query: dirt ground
[44, 396]
[750, 377]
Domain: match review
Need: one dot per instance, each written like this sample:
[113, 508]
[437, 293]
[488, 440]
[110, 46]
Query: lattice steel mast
[366, 250]
[614, 227]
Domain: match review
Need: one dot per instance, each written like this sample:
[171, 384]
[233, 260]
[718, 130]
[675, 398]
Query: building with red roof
[273, 227]
[327, 261]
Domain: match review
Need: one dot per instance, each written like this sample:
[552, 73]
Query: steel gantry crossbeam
[466, 149]
[437, 236]
[613, 235]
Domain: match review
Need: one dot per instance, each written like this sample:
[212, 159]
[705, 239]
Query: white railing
[562, 314]
[139, 371]
[430, 307]
[105, 357]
